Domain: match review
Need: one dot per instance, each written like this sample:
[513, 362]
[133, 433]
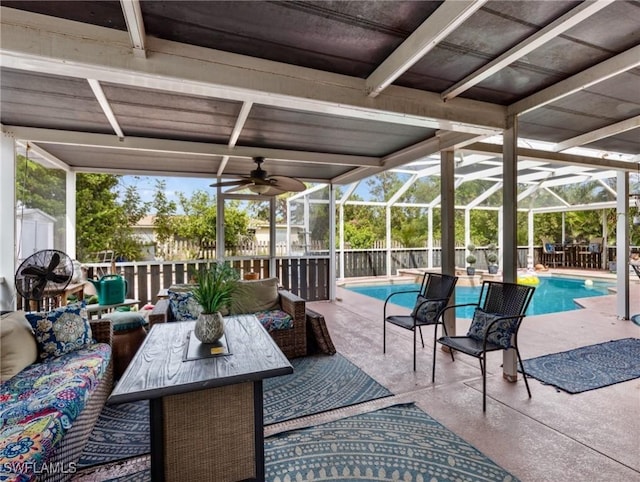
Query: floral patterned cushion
[183, 305]
[274, 319]
[62, 330]
[39, 405]
[500, 333]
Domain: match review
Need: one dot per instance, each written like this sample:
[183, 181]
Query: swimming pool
[552, 295]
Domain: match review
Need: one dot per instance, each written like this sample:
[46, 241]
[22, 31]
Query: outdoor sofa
[281, 312]
[50, 400]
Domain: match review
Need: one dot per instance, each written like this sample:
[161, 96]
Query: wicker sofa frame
[292, 341]
[70, 448]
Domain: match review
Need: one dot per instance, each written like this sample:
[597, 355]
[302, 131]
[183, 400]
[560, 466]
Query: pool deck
[554, 436]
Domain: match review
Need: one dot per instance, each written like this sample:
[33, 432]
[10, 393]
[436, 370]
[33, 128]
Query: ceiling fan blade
[273, 191]
[290, 184]
[241, 187]
[238, 182]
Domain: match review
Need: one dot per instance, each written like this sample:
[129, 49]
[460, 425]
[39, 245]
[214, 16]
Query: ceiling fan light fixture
[259, 188]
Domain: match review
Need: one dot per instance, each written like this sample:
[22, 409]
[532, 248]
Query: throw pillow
[62, 330]
[426, 312]
[18, 347]
[253, 296]
[183, 305]
[550, 248]
[500, 333]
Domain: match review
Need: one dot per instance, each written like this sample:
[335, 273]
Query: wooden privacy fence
[187, 249]
[307, 277]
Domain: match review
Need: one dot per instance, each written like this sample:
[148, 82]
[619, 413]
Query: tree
[103, 222]
[165, 212]
[199, 220]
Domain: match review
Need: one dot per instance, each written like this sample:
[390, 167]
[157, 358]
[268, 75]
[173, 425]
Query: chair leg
[433, 363]
[414, 347]
[384, 336]
[524, 374]
[421, 339]
[444, 330]
[483, 363]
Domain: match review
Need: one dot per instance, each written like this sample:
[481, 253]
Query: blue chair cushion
[550, 248]
[500, 333]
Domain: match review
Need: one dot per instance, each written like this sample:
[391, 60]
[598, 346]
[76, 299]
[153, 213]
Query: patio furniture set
[497, 317]
[273, 329]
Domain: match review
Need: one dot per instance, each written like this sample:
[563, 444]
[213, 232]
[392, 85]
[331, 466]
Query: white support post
[342, 240]
[8, 222]
[510, 218]
[288, 237]
[604, 258]
[332, 243]
[220, 198]
[388, 224]
[622, 245]
[500, 238]
[447, 193]
[430, 238]
[70, 218]
[307, 224]
[467, 230]
[272, 237]
[531, 237]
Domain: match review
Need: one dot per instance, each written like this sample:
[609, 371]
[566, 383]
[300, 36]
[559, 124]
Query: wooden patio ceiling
[327, 91]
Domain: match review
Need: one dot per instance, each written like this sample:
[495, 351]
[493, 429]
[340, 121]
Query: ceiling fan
[260, 182]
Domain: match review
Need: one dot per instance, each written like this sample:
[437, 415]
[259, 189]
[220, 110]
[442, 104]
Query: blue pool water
[551, 296]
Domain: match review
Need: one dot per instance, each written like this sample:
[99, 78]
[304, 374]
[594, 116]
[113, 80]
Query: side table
[99, 309]
[206, 414]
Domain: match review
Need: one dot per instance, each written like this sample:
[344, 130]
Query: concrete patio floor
[554, 436]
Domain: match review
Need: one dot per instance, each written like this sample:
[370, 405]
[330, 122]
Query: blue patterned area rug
[122, 431]
[588, 367]
[398, 443]
[318, 384]
[392, 444]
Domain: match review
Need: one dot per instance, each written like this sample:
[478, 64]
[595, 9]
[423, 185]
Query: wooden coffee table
[206, 414]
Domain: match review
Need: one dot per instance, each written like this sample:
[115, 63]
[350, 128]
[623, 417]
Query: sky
[187, 185]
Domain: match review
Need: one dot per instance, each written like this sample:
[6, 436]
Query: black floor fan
[43, 275]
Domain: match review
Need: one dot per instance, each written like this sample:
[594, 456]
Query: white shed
[34, 231]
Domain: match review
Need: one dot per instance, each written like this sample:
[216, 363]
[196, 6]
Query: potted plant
[492, 258]
[213, 291]
[471, 260]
